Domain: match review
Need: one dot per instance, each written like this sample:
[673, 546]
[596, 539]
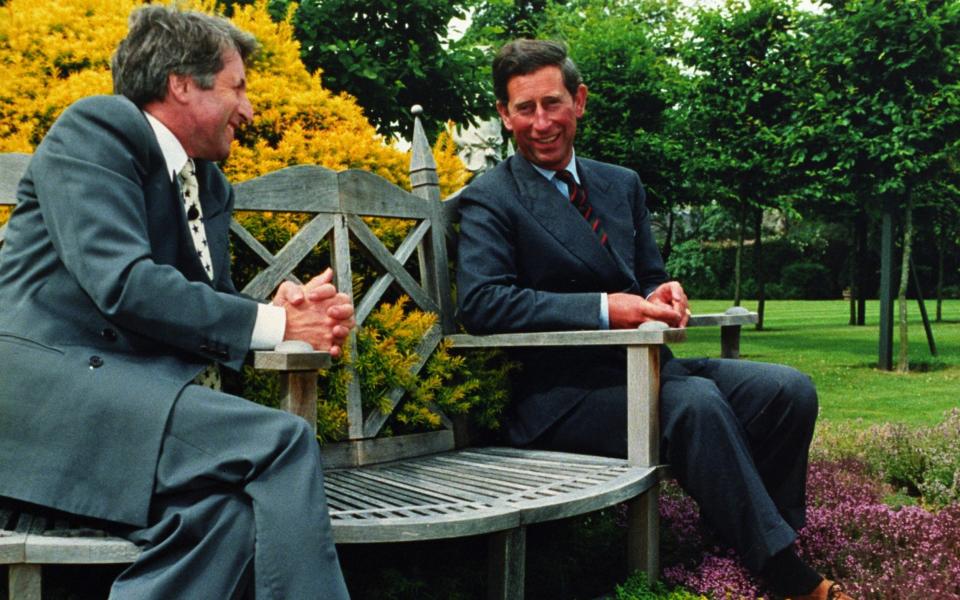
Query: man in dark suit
[115, 295]
[553, 241]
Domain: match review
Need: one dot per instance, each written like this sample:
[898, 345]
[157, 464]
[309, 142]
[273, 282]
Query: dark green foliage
[393, 54]
[805, 281]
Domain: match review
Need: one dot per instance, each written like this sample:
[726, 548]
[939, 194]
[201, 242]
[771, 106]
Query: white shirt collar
[173, 153]
[571, 166]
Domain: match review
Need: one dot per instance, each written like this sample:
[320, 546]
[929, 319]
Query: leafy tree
[495, 22]
[884, 116]
[394, 54]
[743, 57]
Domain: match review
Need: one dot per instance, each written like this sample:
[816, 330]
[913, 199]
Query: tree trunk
[903, 361]
[941, 251]
[861, 258]
[758, 265]
[737, 261]
[854, 275]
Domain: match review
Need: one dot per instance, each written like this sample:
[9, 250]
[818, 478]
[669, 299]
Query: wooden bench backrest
[336, 205]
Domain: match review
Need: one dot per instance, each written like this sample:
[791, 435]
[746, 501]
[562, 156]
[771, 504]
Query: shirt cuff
[269, 327]
[604, 311]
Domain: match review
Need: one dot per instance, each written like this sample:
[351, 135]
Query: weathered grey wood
[403, 253]
[24, 582]
[616, 337]
[339, 455]
[363, 193]
[301, 188]
[727, 318]
[730, 341]
[385, 259]
[643, 414]
[473, 491]
[271, 360]
[423, 167]
[260, 250]
[12, 167]
[292, 253]
[11, 547]
[343, 274]
[643, 534]
[506, 563]
[439, 276]
[44, 549]
[298, 395]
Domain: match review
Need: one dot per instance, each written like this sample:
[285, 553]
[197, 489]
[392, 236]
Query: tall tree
[743, 56]
[393, 54]
[885, 114]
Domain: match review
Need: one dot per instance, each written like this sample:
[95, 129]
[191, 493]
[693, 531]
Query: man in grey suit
[115, 295]
[553, 241]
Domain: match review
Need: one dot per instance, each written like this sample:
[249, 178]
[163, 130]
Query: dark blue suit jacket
[528, 261]
[105, 312]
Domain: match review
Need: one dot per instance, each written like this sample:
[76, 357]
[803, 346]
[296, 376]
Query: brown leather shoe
[827, 590]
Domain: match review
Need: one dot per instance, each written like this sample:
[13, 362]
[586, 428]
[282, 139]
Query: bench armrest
[297, 365]
[649, 334]
[730, 323]
[643, 372]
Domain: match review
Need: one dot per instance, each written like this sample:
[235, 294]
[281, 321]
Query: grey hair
[522, 57]
[164, 41]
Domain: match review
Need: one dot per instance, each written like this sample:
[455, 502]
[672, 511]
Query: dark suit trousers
[736, 435]
[238, 508]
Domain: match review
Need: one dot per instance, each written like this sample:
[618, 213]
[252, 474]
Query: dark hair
[163, 40]
[522, 57]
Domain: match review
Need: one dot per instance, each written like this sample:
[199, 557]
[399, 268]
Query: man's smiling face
[542, 115]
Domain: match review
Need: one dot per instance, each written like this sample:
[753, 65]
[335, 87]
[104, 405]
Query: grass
[814, 336]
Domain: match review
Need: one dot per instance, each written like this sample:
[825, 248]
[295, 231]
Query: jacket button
[96, 362]
[108, 334]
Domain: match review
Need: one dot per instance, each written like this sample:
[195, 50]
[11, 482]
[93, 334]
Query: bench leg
[24, 582]
[643, 534]
[505, 564]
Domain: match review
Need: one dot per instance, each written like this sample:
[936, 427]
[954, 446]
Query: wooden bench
[419, 486]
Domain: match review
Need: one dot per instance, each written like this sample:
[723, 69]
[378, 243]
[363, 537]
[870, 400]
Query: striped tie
[578, 196]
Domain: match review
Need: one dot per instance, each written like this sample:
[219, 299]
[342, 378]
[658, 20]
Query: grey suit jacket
[105, 313]
[528, 261]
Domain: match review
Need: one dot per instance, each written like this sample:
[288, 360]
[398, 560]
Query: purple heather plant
[878, 551]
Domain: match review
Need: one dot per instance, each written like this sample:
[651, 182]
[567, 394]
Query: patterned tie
[191, 205]
[210, 376]
[578, 196]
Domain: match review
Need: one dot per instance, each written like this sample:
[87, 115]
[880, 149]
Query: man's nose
[246, 109]
[540, 120]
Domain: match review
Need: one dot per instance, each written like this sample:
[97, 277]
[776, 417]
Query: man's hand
[671, 294]
[628, 311]
[316, 313]
[291, 293]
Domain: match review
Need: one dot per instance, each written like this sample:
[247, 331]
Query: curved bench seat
[473, 491]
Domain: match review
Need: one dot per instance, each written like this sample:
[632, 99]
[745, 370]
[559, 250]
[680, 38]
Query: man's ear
[580, 100]
[504, 115]
[178, 87]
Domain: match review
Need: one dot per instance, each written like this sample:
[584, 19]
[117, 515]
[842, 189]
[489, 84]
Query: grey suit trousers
[238, 508]
[736, 435]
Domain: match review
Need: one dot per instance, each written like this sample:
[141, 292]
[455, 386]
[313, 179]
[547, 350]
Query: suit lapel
[616, 216]
[562, 220]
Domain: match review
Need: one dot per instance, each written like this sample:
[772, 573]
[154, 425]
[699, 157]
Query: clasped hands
[667, 303]
[316, 313]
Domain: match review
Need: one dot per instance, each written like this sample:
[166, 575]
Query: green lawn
[814, 337]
